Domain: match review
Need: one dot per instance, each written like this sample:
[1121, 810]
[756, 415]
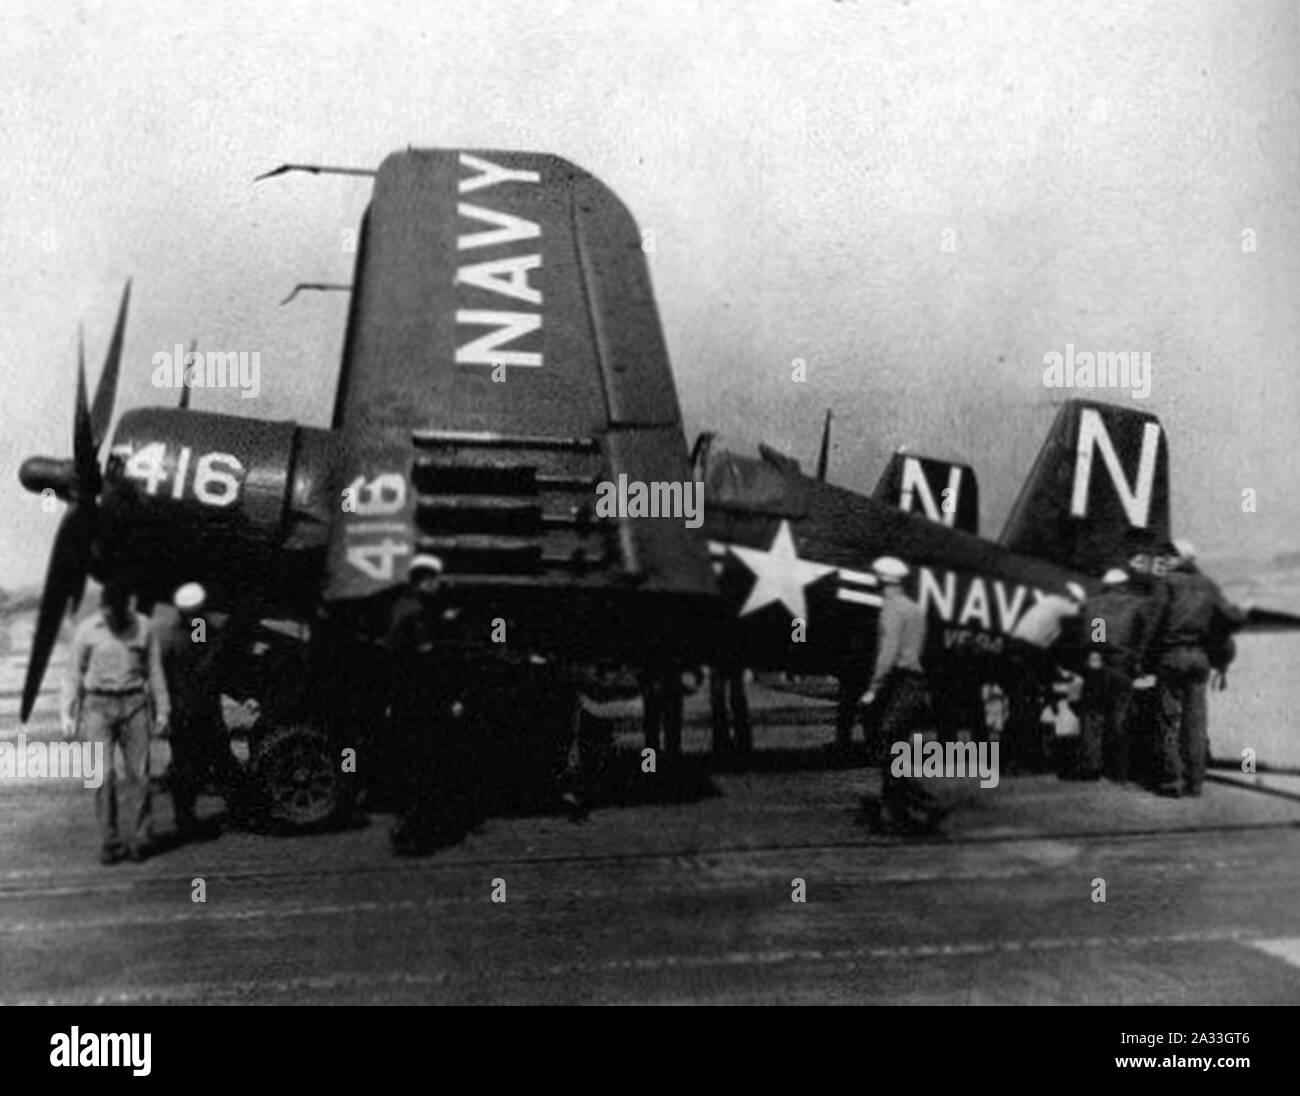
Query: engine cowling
[241, 505]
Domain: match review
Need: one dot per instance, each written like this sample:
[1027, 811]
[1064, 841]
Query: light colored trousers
[123, 721]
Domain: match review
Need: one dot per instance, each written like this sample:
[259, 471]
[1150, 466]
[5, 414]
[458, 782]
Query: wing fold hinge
[512, 505]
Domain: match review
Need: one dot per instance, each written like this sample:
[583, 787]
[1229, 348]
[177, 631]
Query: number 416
[216, 479]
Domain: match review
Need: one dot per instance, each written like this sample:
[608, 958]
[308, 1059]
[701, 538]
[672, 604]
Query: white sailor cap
[1184, 549]
[1114, 577]
[190, 597]
[425, 561]
[890, 570]
[1076, 591]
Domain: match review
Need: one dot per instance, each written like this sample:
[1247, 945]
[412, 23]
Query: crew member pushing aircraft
[1121, 624]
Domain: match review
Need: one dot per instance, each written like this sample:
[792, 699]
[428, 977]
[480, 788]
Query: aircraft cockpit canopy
[744, 474]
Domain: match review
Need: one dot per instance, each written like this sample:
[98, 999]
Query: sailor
[1045, 620]
[1197, 628]
[116, 692]
[1119, 623]
[596, 714]
[663, 695]
[424, 684]
[1040, 632]
[899, 678]
[733, 737]
[566, 718]
[191, 647]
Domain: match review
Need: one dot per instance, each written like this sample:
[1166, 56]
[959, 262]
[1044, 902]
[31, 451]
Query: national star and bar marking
[781, 575]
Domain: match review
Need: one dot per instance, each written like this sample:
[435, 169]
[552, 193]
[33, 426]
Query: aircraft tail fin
[1098, 494]
[944, 491]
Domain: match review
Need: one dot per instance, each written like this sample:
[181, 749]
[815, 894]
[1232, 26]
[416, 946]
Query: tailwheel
[293, 768]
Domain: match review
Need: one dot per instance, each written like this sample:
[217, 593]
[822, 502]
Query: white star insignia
[780, 575]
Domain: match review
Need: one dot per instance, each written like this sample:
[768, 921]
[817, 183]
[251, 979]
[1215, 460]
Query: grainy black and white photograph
[721, 503]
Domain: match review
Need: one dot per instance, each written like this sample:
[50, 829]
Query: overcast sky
[799, 162]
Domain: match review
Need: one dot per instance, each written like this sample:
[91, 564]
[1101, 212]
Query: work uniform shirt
[902, 638]
[1043, 621]
[107, 661]
[423, 665]
[617, 708]
[1130, 620]
[1196, 609]
[192, 667]
[1199, 620]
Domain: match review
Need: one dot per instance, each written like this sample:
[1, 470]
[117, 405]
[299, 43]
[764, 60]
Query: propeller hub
[39, 474]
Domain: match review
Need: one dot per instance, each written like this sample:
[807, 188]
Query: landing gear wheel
[293, 769]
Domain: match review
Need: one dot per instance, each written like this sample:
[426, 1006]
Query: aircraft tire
[293, 770]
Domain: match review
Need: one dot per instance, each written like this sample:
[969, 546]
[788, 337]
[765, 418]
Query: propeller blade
[106, 391]
[64, 580]
[80, 520]
[83, 439]
[78, 591]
